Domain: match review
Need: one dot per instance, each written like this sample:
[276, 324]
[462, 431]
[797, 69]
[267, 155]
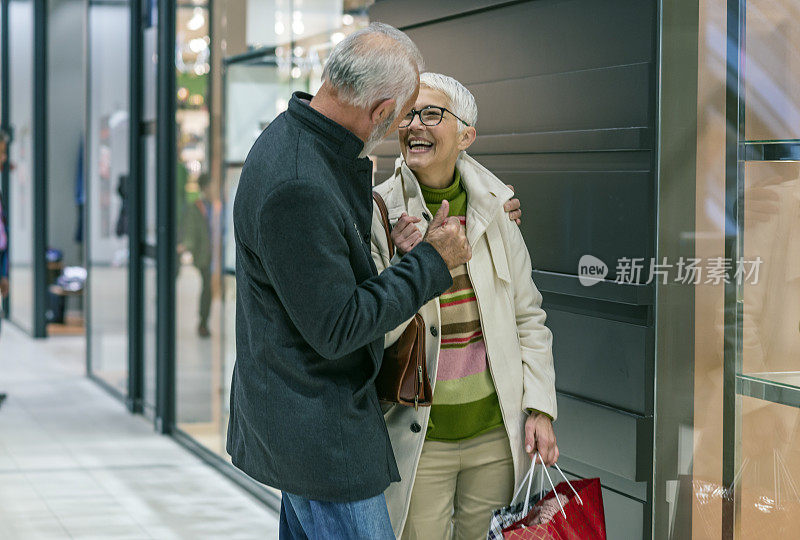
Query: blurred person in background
[199, 221]
[488, 352]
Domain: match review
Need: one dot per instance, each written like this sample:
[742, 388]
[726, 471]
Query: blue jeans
[303, 518]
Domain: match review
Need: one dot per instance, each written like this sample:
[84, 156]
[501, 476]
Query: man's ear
[382, 110]
[467, 137]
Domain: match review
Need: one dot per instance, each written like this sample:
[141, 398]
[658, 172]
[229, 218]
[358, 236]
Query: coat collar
[486, 195]
[343, 141]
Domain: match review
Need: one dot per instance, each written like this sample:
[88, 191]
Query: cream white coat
[518, 344]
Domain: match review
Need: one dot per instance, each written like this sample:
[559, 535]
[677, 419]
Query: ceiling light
[198, 44]
[197, 21]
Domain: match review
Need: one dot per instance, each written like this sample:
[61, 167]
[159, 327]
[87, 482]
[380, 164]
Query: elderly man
[311, 307]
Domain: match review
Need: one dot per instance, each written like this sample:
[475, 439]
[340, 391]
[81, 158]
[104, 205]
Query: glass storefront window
[20, 198]
[107, 206]
[199, 231]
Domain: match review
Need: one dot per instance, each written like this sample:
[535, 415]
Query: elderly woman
[488, 351]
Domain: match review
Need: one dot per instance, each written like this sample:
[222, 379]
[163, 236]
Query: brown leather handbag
[403, 377]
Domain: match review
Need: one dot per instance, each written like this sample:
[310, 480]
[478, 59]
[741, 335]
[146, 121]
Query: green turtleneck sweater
[455, 194]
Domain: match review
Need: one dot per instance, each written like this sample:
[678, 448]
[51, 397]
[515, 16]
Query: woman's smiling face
[429, 149]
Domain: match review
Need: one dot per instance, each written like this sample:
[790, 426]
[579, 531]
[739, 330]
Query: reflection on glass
[254, 95]
[771, 325]
[150, 321]
[107, 168]
[291, 21]
[772, 70]
[769, 479]
[200, 229]
[149, 69]
[150, 226]
[19, 200]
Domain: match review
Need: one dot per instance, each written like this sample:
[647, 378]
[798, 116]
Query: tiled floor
[75, 464]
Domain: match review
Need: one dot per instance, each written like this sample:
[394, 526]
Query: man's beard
[377, 135]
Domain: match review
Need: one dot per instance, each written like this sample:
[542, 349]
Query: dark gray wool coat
[311, 313]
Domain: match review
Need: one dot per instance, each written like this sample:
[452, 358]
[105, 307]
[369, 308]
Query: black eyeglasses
[429, 116]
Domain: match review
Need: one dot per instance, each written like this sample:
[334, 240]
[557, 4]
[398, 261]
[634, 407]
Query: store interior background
[635, 153]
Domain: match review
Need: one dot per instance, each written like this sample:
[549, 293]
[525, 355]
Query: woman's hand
[540, 437]
[405, 234]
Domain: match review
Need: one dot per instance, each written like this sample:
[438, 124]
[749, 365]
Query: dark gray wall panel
[594, 99]
[402, 13]
[571, 214]
[600, 359]
[534, 38]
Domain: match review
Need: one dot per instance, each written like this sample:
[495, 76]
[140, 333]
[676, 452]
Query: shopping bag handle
[550, 480]
[528, 478]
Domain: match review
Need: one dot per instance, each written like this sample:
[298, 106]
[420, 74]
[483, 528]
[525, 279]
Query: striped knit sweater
[465, 402]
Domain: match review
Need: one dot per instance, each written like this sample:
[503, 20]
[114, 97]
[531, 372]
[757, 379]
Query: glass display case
[767, 196]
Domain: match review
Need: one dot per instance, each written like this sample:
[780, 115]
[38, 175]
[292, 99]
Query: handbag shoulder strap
[385, 219]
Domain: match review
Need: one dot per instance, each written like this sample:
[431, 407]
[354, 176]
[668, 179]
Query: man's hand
[539, 437]
[405, 234]
[512, 207]
[448, 237]
[3, 287]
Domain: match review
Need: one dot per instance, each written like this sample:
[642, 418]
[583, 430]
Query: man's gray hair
[462, 102]
[366, 67]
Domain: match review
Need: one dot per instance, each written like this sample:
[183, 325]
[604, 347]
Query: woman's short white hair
[462, 102]
[372, 64]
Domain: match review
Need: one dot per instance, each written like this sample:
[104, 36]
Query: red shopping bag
[581, 518]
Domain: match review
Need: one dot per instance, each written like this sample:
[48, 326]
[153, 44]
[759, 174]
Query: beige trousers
[457, 487]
